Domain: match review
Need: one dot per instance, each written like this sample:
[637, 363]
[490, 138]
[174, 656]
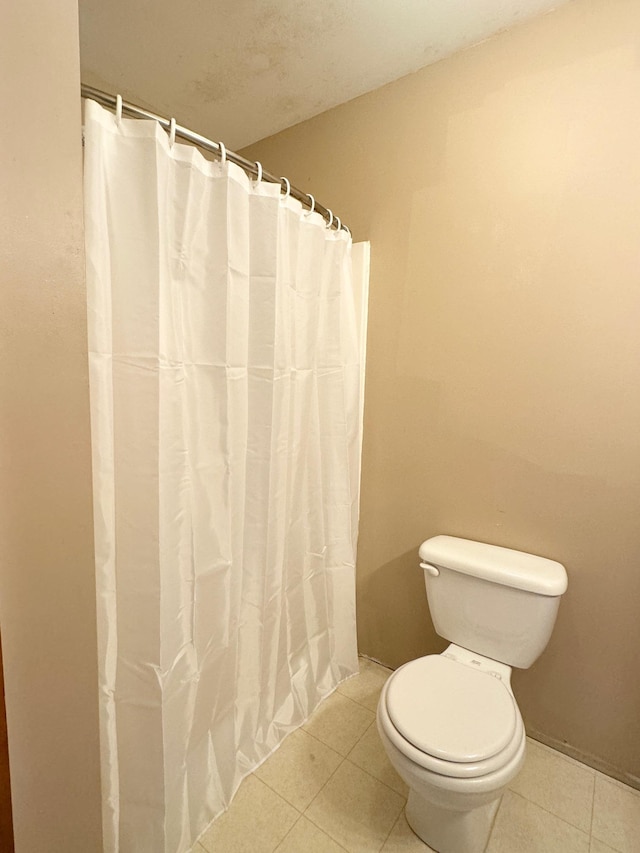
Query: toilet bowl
[450, 723]
[453, 732]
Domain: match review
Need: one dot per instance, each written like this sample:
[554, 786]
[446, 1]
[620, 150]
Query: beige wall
[47, 591]
[500, 190]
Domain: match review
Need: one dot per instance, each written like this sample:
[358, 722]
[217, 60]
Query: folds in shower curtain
[225, 393]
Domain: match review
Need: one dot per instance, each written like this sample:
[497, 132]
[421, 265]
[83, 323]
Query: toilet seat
[450, 710]
[450, 718]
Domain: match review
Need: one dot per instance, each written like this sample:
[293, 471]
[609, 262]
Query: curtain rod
[254, 169]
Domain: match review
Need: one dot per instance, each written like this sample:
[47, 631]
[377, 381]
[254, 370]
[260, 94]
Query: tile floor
[330, 789]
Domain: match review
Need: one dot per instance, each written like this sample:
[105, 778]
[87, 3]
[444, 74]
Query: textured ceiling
[240, 70]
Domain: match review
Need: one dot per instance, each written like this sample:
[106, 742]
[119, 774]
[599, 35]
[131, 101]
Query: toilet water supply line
[115, 103]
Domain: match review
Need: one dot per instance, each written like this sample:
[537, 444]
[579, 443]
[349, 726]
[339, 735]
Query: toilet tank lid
[498, 565]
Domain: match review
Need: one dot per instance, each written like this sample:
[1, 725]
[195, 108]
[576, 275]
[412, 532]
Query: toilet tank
[493, 601]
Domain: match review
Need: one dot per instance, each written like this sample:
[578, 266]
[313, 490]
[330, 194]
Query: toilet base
[447, 831]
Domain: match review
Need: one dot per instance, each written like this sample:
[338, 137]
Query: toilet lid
[450, 710]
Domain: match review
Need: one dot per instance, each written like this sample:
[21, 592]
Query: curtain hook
[348, 230]
[172, 132]
[313, 204]
[339, 225]
[330, 223]
[118, 108]
[288, 192]
[223, 153]
[259, 168]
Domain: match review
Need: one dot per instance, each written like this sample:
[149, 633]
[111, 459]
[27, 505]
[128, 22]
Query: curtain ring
[339, 225]
[313, 204]
[259, 168]
[330, 223]
[118, 108]
[223, 153]
[348, 230]
[288, 192]
[172, 132]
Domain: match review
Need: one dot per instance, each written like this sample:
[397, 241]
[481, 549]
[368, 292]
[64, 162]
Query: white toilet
[450, 723]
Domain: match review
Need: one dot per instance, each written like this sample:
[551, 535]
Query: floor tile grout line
[284, 799]
[371, 776]
[355, 701]
[322, 789]
[576, 764]
[319, 740]
[593, 810]
[352, 763]
[345, 759]
[495, 819]
[393, 826]
[319, 828]
[548, 811]
[315, 737]
[342, 758]
[364, 769]
[359, 704]
[629, 789]
[568, 759]
[289, 831]
[606, 844]
[553, 814]
[372, 723]
[311, 820]
[303, 813]
[341, 846]
[359, 737]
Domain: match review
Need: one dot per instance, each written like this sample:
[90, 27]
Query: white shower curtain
[225, 394]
